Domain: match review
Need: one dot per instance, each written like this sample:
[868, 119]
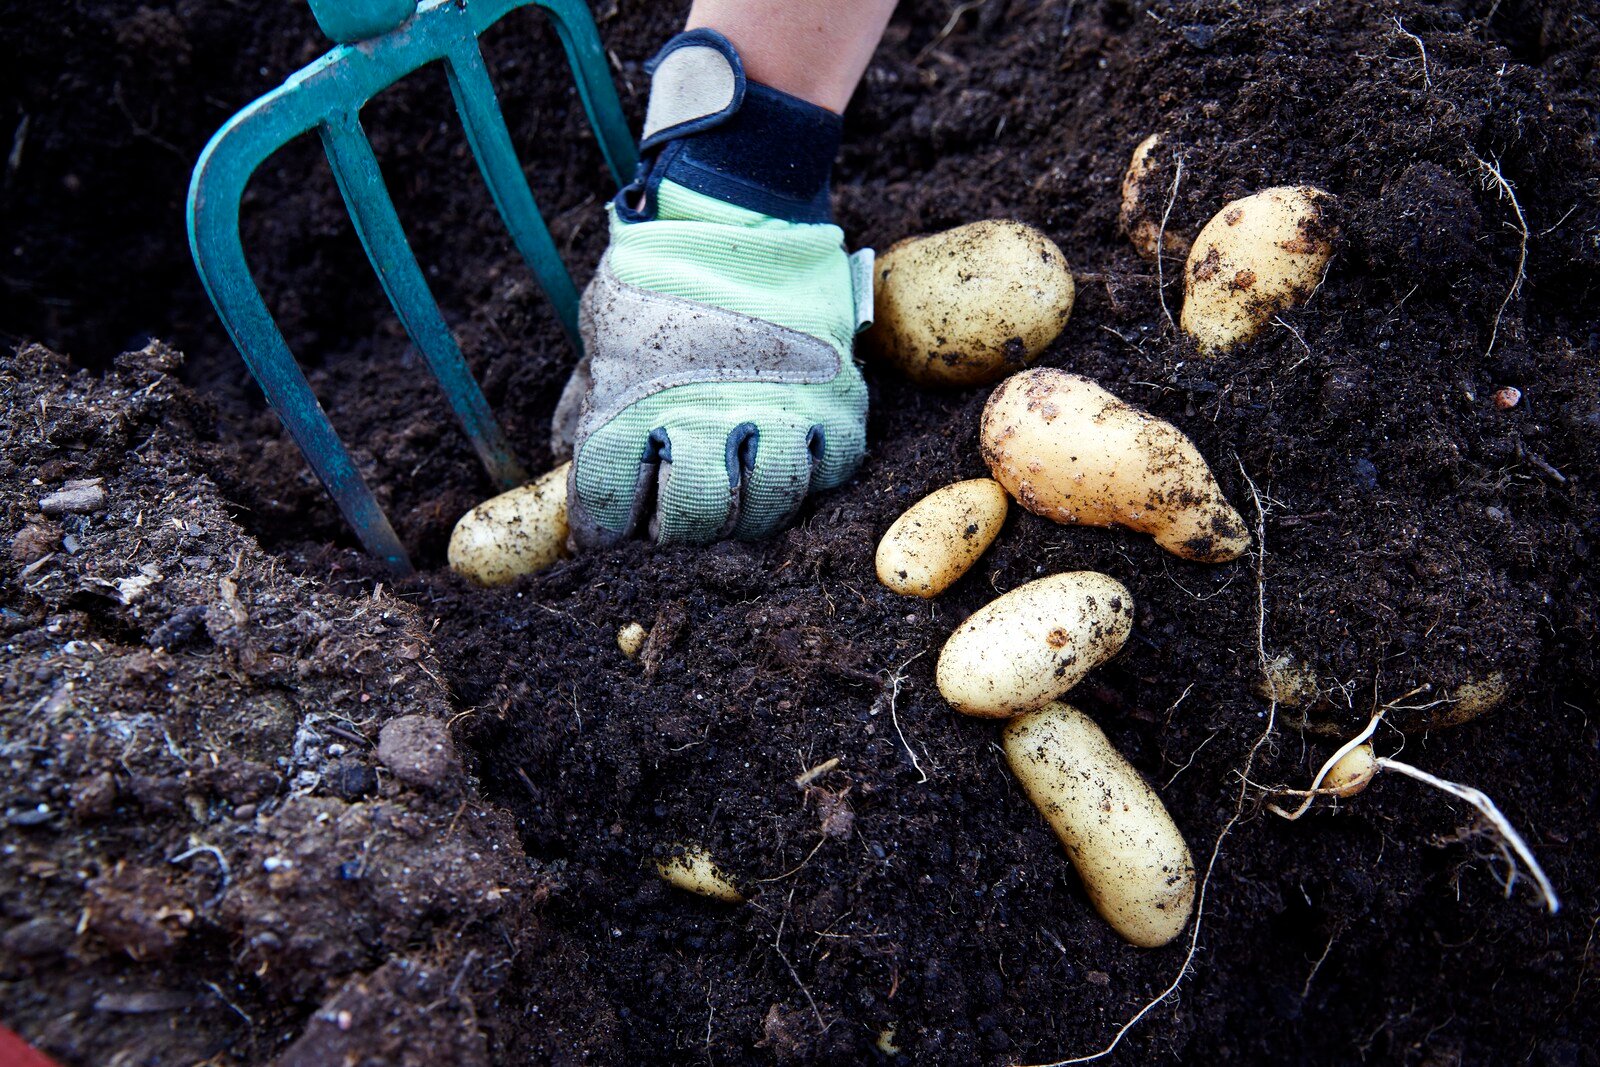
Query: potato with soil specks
[1352, 773]
[519, 532]
[1024, 649]
[1143, 205]
[966, 306]
[692, 869]
[1131, 856]
[1074, 453]
[940, 536]
[1259, 255]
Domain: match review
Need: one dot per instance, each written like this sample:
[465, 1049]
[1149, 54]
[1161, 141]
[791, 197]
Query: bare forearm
[814, 49]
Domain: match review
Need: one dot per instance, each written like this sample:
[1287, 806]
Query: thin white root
[1502, 826]
[895, 681]
[1161, 240]
[1427, 82]
[1315, 790]
[1493, 176]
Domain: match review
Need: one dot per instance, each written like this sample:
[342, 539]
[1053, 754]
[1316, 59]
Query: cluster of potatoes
[968, 307]
[1068, 450]
[981, 302]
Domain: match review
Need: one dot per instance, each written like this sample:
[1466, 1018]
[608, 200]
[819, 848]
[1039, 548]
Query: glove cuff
[710, 129]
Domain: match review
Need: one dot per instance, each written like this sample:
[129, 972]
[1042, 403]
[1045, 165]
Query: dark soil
[264, 802]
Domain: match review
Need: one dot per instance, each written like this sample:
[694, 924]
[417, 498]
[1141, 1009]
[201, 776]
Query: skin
[816, 50]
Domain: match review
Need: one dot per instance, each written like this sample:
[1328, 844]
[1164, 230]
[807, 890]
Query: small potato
[1133, 860]
[1470, 700]
[631, 639]
[969, 305]
[1143, 204]
[1024, 649]
[1258, 256]
[518, 532]
[940, 536]
[1289, 682]
[1074, 453]
[1353, 772]
[692, 869]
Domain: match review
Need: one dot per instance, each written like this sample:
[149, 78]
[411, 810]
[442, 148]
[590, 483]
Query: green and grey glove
[717, 387]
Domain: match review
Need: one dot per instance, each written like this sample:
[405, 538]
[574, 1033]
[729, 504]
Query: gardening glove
[717, 387]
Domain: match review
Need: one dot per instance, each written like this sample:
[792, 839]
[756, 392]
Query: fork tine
[502, 172]
[360, 180]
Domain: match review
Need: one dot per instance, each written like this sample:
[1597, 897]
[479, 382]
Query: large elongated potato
[934, 542]
[966, 306]
[1259, 255]
[518, 532]
[1134, 862]
[1024, 649]
[1074, 453]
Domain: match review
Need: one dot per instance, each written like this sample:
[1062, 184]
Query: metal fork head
[382, 41]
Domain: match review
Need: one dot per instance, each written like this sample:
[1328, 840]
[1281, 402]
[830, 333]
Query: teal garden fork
[380, 42]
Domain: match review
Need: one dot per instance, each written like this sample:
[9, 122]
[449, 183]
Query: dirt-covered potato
[1133, 860]
[519, 532]
[969, 305]
[934, 542]
[1074, 453]
[691, 868]
[1143, 203]
[1024, 649]
[1469, 700]
[631, 638]
[1259, 255]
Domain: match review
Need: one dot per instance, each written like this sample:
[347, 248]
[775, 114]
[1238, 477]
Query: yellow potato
[1288, 681]
[1353, 772]
[1470, 700]
[1131, 856]
[1258, 256]
[692, 869]
[519, 532]
[1024, 649]
[1143, 204]
[1074, 453]
[940, 536]
[631, 639]
[966, 306]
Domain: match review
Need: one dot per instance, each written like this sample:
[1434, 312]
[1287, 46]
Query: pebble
[80, 496]
[418, 750]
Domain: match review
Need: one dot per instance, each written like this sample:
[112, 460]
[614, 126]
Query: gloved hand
[717, 387]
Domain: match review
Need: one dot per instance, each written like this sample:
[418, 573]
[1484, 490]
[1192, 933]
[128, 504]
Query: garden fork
[380, 42]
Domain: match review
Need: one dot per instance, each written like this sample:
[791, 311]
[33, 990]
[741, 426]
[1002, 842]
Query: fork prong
[491, 145]
[355, 167]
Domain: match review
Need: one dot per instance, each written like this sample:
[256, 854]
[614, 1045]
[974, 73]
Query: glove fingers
[696, 498]
[776, 478]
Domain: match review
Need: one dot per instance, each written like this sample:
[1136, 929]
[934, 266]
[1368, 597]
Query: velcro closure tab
[861, 262]
[697, 81]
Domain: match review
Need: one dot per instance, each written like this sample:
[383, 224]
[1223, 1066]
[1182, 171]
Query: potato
[1258, 256]
[1471, 699]
[692, 869]
[1024, 649]
[966, 306]
[519, 532]
[1143, 204]
[631, 639]
[1288, 681]
[1072, 452]
[1353, 772]
[934, 542]
[1133, 860]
